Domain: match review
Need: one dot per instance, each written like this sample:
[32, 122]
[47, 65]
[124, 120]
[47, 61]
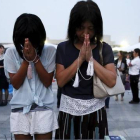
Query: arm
[1, 66]
[107, 74]
[18, 78]
[45, 77]
[63, 75]
[127, 62]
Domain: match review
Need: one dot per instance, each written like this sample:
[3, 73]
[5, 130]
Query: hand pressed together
[86, 50]
[29, 50]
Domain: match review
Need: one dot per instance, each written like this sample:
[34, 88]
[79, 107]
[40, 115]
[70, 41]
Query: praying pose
[81, 115]
[30, 65]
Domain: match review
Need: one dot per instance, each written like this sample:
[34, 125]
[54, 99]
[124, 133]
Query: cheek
[91, 34]
[79, 34]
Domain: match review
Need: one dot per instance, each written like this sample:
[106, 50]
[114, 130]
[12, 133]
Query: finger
[30, 47]
[88, 38]
[84, 46]
[85, 40]
[26, 43]
[88, 46]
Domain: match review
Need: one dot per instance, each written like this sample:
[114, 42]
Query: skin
[47, 136]
[107, 73]
[18, 78]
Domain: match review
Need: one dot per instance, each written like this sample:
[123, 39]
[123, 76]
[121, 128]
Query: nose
[86, 31]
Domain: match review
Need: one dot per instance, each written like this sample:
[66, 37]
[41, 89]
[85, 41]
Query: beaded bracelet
[36, 61]
[31, 60]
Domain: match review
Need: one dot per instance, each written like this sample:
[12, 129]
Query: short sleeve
[108, 56]
[49, 56]
[59, 55]
[9, 62]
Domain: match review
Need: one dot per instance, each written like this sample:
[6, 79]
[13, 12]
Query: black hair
[137, 50]
[122, 53]
[29, 26]
[85, 11]
[1, 46]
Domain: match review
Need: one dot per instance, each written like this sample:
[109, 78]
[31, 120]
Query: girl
[122, 67]
[82, 116]
[30, 66]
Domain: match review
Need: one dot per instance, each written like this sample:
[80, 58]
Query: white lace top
[80, 107]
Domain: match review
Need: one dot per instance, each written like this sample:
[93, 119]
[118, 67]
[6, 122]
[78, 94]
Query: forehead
[87, 23]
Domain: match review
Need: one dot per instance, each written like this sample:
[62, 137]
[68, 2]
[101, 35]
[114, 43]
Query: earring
[95, 39]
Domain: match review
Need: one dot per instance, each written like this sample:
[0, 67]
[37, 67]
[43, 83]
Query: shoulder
[62, 45]
[107, 49]
[106, 46]
[49, 48]
[61, 48]
[11, 51]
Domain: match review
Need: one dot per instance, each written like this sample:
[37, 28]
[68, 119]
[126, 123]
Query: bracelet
[36, 61]
[31, 60]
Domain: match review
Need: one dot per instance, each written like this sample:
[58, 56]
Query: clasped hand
[86, 51]
[29, 50]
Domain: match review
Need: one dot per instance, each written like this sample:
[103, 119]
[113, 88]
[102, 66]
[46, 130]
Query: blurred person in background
[122, 67]
[134, 68]
[3, 80]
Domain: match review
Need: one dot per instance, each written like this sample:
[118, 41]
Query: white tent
[130, 48]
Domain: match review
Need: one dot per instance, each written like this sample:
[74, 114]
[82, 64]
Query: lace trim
[80, 107]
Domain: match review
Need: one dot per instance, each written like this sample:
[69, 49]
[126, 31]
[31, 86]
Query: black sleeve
[59, 54]
[125, 69]
[108, 56]
[115, 62]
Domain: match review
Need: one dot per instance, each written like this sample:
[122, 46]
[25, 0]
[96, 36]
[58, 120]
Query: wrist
[25, 62]
[36, 59]
[81, 59]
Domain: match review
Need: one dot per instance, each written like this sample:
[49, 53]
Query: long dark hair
[29, 26]
[85, 11]
[122, 53]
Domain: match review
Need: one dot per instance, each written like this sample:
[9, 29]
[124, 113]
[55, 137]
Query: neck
[135, 56]
[120, 58]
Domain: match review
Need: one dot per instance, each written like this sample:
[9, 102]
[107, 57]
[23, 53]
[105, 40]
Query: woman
[82, 116]
[134, 69]
[122, 67]
[3, 80]
[30, 66]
